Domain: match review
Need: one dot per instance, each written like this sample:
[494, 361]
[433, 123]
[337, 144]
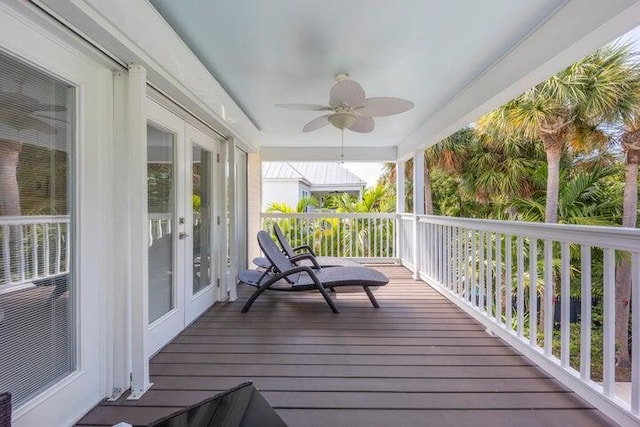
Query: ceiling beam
[328, 154]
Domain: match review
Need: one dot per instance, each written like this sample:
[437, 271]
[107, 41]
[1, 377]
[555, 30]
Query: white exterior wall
[281, 191]
[254, 193]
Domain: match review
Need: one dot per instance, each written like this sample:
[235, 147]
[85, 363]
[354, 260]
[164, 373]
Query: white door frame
[196, 304]
[27, 36]
[169, 325]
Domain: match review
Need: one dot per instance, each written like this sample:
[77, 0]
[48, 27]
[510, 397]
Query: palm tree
[448, 155]
[629, 130]
[561, 111]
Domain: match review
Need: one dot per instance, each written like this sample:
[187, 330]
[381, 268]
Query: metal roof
[321, 174]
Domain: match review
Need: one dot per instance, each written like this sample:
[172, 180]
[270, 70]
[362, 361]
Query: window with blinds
[37, 337]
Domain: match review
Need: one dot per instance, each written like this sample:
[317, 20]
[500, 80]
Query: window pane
[161, 197]
[36, 230]
[202, 176]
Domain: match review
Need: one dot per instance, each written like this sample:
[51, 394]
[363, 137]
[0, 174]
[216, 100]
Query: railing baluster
[533, 291]
[474, 256]
[508, 271]
[489, 267]
[635, 333]
[6, 252]
[58, 248]
[22, 267]
[47, 271]
[498, 276]
[482, 273]
[609, 323]
[585, 312]
[34, 251]
[467, 257]
[548, 297]
[459, 260]
[565, 295]
[68, 247]
[520, 288]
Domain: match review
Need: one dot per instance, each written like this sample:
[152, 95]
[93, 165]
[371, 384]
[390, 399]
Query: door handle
[182, 235]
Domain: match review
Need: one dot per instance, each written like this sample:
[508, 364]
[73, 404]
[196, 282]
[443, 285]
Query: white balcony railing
[33, 248]
[363, 237]
[488, 267]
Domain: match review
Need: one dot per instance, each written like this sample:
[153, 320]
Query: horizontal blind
[37, 345]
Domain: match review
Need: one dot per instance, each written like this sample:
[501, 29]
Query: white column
[418, 182]
[137, 138]
[400, 205]
[254, 203]
[121, 288]
[418, 205]
[400, 187]
[232, 294]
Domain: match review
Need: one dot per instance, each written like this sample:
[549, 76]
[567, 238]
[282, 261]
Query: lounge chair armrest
[305, 247]
[300, 269]
[308, 256]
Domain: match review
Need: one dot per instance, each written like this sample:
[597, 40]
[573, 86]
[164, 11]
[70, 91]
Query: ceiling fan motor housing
[342, 120]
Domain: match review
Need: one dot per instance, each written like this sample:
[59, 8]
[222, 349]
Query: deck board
[418, 360]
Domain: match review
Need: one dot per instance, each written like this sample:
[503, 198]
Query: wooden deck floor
[416, 361]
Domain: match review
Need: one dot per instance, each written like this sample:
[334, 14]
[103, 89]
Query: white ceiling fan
[350, 108]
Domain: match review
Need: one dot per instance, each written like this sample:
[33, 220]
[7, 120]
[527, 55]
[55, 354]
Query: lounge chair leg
[254, 297]
[329, 300]
[373, 300]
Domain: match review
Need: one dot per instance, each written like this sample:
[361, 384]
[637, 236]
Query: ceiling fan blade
[384, 106]
[347, 92]
[305, 107]
[314, 124]
[363, 125]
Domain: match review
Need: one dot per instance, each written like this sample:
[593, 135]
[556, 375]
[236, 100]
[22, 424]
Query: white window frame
[29, 36]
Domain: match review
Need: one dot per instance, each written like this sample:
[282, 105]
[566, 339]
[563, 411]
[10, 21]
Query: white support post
[400, 187]
[137, 138]
[121, 232]
[418, 205]
[232, 293]
[400, 207]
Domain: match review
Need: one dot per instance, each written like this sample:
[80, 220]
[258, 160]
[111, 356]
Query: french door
[183, 208]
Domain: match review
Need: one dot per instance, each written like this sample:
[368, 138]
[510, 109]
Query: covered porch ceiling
[455, 60]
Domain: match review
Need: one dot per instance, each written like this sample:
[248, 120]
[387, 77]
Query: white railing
[406, 225]
[33, 248]
[160, 224]
[488, 267]
[366, 237]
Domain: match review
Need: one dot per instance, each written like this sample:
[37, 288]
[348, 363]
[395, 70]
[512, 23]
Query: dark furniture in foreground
[241, 406]
[5, 409]
[284, 275]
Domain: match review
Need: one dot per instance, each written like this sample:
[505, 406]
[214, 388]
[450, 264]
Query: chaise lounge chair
[303, 255]
[284, 275]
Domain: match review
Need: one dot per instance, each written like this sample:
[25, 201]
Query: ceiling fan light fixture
[342, 120]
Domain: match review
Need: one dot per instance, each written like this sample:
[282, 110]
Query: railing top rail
[34, 219]
[320, 215]
[604, 237]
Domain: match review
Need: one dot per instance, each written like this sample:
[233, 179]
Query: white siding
[280, 191]
[254, 175]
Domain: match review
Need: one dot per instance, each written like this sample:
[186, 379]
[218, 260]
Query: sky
[370, 172]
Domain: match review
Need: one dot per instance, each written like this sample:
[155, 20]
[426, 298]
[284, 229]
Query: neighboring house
[288, 182]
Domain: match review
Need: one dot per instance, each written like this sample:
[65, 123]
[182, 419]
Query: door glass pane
[161, 200]
[202, 177]
[37, 295]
